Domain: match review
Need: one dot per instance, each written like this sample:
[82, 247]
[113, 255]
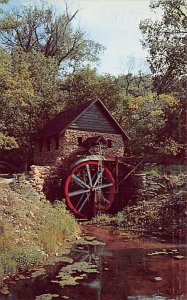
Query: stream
[122, 268]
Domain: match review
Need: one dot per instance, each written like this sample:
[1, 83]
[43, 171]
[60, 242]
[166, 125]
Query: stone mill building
[78, 132]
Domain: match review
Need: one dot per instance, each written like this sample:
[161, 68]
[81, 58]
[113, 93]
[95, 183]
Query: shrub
[57, 225]
[33, 225]
[102, 219]
[27, 255]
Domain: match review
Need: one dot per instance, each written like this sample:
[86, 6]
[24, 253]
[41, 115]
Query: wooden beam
[131, 172]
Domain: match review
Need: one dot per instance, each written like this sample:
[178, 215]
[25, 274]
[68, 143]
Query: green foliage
[49, 226]
[26, 256]
[165, 217]
[29, 96]
[29, 83]
[39, 45]
[166, 42]
[7, 142]
[21, 187]
[146, 116]
[8, 265]
[41, 29]
[57, 224]
[102, 219]
[7, 262]
[86, 84]
[15, 256]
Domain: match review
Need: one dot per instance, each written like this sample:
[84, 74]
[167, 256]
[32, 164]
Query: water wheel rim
[85, 188]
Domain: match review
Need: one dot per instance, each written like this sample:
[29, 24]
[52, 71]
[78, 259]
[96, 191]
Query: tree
[144, 115]
[166, 43]
[6, 141]
[130, 86]
[42, 30]
[148, 121]
[38, 47]
[29, 97]
[86, 84]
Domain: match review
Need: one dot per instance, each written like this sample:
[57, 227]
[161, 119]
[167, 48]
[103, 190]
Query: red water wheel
[89, 189]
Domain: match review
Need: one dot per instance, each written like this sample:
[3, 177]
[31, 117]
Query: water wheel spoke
[106, 200]
[93, 178]
[88, 184]
[99, 177]
[79, 181]
[80, 199]
[78, 192]
[84, 202]
[103, 186]
[89, 174]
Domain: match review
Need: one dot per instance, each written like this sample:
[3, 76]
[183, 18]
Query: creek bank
[64, 270]
[31, 229]
[159, 209]
[24, 214]
[117, 267]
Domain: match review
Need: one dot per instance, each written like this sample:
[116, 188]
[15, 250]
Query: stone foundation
[38, 175]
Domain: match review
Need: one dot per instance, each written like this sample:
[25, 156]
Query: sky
[115, 25]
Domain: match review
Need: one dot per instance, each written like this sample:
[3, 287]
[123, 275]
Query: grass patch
[30, 227]
[57, 225]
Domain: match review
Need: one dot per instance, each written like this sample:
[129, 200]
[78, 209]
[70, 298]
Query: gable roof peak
[64, 119]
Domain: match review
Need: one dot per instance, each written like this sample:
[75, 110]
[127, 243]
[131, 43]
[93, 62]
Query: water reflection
[125, 272]
[155, 298]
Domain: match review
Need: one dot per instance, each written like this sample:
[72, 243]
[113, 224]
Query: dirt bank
[31, 229]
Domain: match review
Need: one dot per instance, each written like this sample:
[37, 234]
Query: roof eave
[125, 135]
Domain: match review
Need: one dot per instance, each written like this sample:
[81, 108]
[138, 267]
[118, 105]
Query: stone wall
[50, 167]
[72, 149]
[150, 186]
[68, 146]
[38, 175]
[151, 189]
[160, 209]
[46, 157]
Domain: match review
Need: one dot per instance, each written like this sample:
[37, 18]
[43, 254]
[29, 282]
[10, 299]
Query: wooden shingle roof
[65, 119]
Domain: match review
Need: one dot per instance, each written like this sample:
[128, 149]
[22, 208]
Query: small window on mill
[48, 144]
[57, 143]
[109, 143]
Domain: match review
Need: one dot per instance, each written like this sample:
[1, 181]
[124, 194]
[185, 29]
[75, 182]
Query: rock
[4, 290]
[89, 238]
[178, 256]
[4, 200]
[21, 276]
[29, 214]
[157, 253]
[158, 279]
